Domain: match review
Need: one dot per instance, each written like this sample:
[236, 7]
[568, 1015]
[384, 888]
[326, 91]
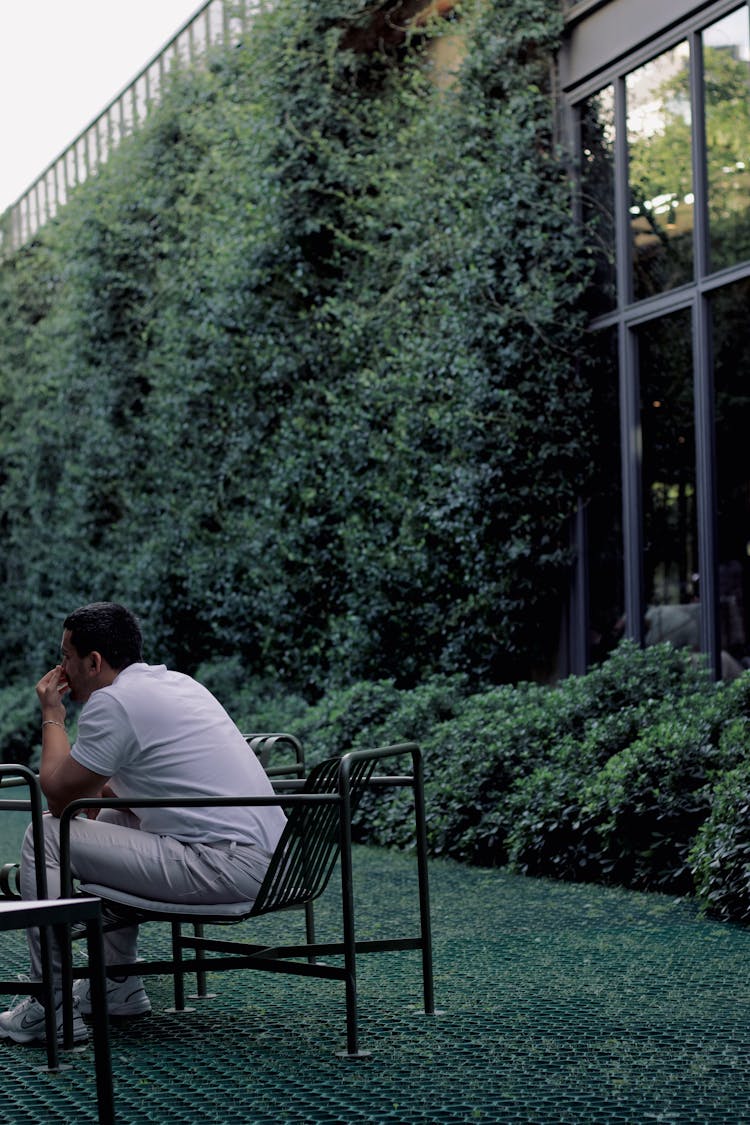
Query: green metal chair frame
[268, 747]
[13, 776]
[318, 833]
[54, 919]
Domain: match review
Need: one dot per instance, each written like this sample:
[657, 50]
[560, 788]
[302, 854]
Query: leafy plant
[20, 735]
[296, 376]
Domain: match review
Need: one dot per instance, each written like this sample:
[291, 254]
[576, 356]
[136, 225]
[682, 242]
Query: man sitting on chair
[143, 731]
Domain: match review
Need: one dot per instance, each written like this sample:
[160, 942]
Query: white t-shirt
[157, 733]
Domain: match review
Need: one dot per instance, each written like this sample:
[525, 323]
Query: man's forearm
[55, 744]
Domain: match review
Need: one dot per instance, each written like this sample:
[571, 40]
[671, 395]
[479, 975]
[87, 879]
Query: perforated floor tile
[559, 1003]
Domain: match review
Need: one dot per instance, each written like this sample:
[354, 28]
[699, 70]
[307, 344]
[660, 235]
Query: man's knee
[27, 845]
[51, 836]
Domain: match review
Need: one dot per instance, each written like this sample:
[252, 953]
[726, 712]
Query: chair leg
[310, 929]
[350, 950]
[178, 974]
[201, 992]
[48, 1000]
[424, 892]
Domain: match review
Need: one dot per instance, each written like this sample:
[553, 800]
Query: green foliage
[20, 739]
[650, 799]
[609, 777]
[720, 856]
[378, 714]
[513, 789]
[606, 777]
[295, 374]
[256, 705]
[369, 714]
[623, 804]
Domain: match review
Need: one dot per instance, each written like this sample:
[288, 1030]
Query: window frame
[629, 314]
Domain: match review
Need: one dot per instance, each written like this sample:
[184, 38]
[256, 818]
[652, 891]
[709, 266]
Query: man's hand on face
[50, 690]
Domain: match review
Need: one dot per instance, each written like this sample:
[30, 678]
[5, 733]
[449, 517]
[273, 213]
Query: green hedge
[636, 774]
[720, 856]
[633, 774]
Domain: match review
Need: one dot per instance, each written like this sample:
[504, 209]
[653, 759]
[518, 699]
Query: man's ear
[94, 660]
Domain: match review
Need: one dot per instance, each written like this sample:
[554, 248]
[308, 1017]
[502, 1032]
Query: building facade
[656, 106]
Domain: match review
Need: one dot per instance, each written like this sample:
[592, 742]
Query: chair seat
[185, 910]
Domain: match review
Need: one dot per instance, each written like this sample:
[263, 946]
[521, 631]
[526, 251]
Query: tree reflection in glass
[598, 195]
[660, 172]
[726, 55]
[731, 334]
[605, 547]
[669, 501]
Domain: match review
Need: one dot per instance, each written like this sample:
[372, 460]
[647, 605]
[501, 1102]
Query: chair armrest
[380, 754]
[12, 776]
[71, 810]
[341, 797]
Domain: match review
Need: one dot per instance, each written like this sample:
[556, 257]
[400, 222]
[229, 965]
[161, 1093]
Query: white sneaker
[24, 1023]
[126, 996]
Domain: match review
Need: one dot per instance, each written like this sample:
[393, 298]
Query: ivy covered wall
[297, 374]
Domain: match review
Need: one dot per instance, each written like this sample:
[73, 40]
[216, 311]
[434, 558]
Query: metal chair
[318, 833]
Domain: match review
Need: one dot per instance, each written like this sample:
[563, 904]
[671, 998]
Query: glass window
[668, 468]
[726, 65]
[684, 167]
[598, 195]
[731, 332]
[604, 510]
[660, 172]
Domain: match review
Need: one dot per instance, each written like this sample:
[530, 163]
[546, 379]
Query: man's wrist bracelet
[52, 723]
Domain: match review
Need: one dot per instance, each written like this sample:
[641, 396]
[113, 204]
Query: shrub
[376, 715]
[637, 773]
[326, 324]
[650, 799]
[20, 738]
[623, 802]
[519, 757]
[255, 704]
[720, 856]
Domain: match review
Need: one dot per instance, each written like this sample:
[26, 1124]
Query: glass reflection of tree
[661, 176]
[606, 595]
[728, 144]
[731, 332]
[598, 196]
[661, 171]
[668, 459]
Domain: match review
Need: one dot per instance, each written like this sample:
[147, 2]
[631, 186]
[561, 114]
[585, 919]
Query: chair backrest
[286, 750]
[309, 846]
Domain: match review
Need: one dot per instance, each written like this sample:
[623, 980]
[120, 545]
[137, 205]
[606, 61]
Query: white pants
[113, 851]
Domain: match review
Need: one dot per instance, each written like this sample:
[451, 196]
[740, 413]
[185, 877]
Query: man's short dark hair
[107, 628]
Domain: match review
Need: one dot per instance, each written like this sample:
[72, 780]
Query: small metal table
[60, 914]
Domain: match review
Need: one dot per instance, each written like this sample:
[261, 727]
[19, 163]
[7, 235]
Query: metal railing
[216, 23]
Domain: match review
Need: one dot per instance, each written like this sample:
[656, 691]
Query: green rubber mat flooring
[559, 1003]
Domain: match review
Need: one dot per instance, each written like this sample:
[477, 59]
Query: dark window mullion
[632, 471]
[700, 173]
[706, 485]
[703, 389]
[630, 421]
[623, 233]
